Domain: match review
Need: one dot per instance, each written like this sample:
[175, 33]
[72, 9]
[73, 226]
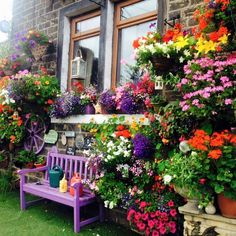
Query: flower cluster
[107, 101]
[132, 98]
[143, 147]
[66, 104]
[155, 222]
[89, 96]
[208, 87]
[26, 41]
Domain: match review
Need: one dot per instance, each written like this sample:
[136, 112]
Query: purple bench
[70, 165]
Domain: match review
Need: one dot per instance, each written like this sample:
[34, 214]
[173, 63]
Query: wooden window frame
[79, 36]
[121, 24]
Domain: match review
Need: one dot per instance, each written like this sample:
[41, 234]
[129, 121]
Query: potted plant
[25, 159]
[107, 102]
[40, 162]
[33, 44]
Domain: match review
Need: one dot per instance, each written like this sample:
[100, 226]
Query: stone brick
[178, 4]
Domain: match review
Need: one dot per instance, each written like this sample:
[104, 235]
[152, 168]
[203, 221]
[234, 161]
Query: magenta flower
[228, 101]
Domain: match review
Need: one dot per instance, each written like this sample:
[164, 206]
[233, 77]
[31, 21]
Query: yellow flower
[31, 32]
[47, 82]
[203, 46]
[223, 39]
[114, 116]
[93, 130]
[181, 42]
[134, 125]
[141, 120]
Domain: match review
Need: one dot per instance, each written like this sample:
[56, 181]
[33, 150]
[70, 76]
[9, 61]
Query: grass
[47, 219]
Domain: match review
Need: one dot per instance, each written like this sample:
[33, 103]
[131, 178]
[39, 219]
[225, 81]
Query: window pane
[88, 49]
[125, 55]
[137, 9]
[85, 25]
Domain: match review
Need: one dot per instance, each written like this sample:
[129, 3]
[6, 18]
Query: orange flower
[120, 127]
[216, 140]
[202, 24]
[37, 82]
[214, 36]
[222, 30]
[233, 140]
[136, 43]
[12, 138]
[125, 133]
[215, 154]
[19, 122]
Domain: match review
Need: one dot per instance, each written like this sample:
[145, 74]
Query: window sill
[99, 119]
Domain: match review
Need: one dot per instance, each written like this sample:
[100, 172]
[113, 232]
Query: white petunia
[167, 179]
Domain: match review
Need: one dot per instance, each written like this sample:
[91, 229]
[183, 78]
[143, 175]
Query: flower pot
[89, 109]
[192, 202]
[227, 206]
[38, 51]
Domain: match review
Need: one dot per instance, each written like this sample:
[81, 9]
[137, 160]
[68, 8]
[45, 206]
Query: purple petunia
[129, 105]
[143, 147]
[65, 105]
[107, 100]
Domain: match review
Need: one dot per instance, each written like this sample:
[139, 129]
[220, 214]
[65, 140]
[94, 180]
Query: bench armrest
[26, 171]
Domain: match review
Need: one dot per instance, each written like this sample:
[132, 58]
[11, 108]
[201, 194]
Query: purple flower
[143, 148]
[107, 100]
[32, 43]
[129, 105]
[67, 104]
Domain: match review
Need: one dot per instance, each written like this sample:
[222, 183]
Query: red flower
[151, 224]
[173, 212]
[141, 226]
[50, 102]
[137, 216]
[215, 154]
[171, 203]
[143, 204]
[202, 181]
[214, 36]
[155, 233]
[145, 216]
[162, 230]
[120, 127]
[130, 214]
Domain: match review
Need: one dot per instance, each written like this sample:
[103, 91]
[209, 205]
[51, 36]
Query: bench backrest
[70, 165]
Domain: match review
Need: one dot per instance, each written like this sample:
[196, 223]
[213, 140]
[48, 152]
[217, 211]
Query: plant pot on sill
[89, 109]
[227, 206]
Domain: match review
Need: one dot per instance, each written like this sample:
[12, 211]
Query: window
[84, 49]
[132, 19]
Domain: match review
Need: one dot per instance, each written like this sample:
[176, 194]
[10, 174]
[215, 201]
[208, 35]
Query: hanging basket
[38, 51]
[162, 64]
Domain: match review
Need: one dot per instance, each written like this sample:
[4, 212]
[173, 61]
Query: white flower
[167, 179]
[194, 154]
[184, 147]
[187, 53]
[111, 205]
[106, 203]
[181, 59]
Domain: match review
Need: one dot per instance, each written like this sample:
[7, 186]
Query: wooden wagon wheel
[35, 129]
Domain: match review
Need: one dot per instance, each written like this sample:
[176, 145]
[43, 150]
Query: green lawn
[47, 219]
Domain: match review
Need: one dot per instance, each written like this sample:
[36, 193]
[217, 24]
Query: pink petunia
[155, 233]
[171, 203]
[228, 101]
[173, 212]
[151, 224]
[162, 230]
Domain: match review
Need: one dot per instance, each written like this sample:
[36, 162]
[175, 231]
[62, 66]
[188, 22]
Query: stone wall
[43, 15]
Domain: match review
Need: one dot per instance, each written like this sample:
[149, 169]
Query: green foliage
[23, 157]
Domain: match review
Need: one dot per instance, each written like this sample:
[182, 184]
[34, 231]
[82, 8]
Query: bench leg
[76, 218]
[101, 212]
[22, 194]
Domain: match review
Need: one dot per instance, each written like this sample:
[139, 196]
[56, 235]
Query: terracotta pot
[227, 206]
